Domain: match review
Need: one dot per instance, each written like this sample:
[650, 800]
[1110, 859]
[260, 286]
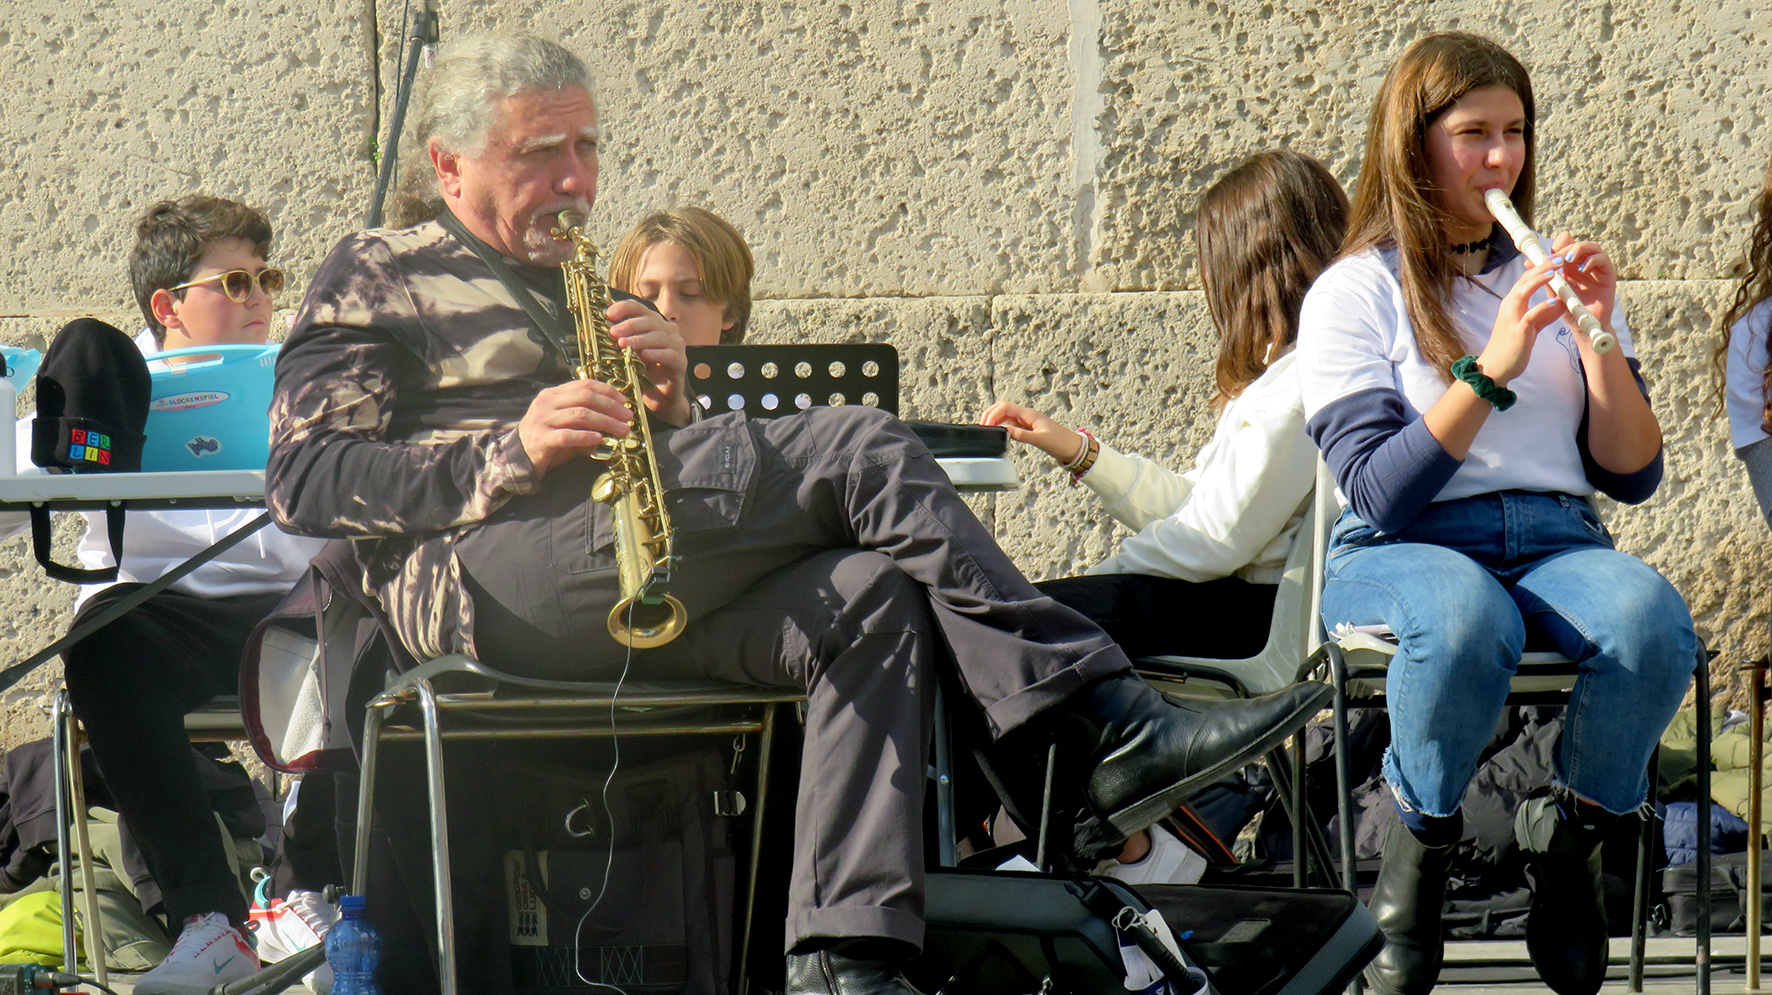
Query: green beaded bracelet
[1466, 369]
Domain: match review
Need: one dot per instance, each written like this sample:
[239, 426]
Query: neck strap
[552, 327]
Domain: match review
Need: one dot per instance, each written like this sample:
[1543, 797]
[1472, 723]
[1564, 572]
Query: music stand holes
[870, 369]
[735, 371]
[703, 371]
[770, 401]
[802, 401]
[770, 371]
[837, 400]
[802, 369]
[871, 399]
[735, 402]
[836, 369]
[707, 403]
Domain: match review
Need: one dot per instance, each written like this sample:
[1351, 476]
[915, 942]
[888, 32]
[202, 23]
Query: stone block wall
[1002, 188]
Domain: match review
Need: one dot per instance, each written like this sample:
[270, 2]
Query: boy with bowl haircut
[695, 267]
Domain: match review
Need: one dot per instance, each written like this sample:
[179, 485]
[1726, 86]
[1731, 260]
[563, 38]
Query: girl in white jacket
[1211, 542]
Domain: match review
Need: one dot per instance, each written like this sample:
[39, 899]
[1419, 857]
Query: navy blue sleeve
[1388, 467]
[1630, 488]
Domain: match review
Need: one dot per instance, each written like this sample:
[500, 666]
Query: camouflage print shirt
[395, 416]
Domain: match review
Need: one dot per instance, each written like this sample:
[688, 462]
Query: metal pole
[947, 851]
[366, 794]
[1639, 920]
[1756, 752]
[60, 715]
[765, 751]
[427, 702]
[1046, 808]
[1701, 958]
[95, 927]
[424, 32]
[1300, 813]
[1344, 789]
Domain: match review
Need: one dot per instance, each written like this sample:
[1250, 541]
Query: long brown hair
[1756, 286]
[1264, 231]
[1393, 202]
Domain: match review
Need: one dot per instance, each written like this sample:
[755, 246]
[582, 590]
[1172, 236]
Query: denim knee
[1629, 689]
[1654, 638]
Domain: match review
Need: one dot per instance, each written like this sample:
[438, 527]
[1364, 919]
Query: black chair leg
[1344, 789]
[1308, 841]
[1701, 687]
[1046, 813]
[1301, 850]
[1639, 909]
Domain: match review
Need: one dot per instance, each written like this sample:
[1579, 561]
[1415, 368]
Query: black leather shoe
[825, 972]
[1407, 902]
[1566, 928]
[1146, 751]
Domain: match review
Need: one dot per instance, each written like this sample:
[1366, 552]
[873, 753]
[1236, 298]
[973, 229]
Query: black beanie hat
[92, 400]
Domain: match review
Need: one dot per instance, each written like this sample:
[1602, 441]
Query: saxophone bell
[643, 623]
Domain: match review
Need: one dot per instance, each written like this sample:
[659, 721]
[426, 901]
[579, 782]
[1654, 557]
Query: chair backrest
[1325, 509]
[768, 380]
[1290, 636]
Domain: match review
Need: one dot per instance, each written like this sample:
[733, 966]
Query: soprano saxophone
[647, 615]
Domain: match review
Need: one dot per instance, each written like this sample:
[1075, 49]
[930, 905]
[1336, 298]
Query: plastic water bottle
[8, 423]
[353, 949]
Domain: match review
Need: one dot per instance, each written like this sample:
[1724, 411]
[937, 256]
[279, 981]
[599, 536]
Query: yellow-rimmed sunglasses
[237, 283]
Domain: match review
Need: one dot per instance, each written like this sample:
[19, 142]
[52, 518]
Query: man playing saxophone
[426, 409]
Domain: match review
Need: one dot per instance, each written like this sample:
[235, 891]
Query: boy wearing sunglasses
[200, 277]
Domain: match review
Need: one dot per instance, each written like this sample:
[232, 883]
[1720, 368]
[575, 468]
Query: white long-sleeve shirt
[154, 542]
[1745, 376]
[1745, 399]
[1236, 511]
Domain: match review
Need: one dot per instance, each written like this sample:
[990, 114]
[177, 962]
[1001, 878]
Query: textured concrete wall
[1003, 188]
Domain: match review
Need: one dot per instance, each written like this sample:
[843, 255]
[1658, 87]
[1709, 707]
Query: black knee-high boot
[1566, 928]
[1407, 902]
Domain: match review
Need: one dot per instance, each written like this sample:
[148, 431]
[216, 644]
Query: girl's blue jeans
[1460, 586]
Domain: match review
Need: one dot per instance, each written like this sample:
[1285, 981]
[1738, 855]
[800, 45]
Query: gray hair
[455, 107]
[475, 72]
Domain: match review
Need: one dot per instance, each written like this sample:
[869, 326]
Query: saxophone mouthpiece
[565, 221]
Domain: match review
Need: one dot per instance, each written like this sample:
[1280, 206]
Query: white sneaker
[208, 953]
[286, 927]
[1169, 861]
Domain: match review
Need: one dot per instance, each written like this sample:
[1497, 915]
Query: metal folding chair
[216, 721]
[496, 707]
[1283, 660]
[1358, 660]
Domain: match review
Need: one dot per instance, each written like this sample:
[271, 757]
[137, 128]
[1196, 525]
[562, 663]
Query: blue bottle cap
[351, 903]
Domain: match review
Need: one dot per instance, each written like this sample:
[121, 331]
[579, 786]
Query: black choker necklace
[1462, 248]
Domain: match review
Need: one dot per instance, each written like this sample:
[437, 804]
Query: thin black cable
[609, 816]
[63, 980]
